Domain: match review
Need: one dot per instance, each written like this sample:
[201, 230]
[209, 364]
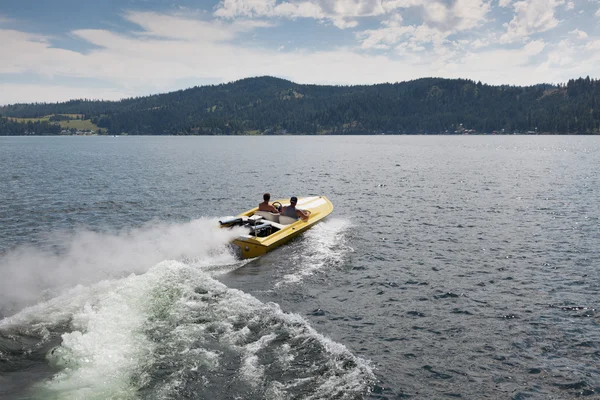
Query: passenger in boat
[292, 212]
[265, 206]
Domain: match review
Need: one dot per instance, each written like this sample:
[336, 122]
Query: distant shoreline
[313, 135]
[273, 106]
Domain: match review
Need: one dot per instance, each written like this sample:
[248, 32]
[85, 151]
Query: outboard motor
[261, 230]
[231, 221]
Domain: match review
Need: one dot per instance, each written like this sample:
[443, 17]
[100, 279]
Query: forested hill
[268, 105]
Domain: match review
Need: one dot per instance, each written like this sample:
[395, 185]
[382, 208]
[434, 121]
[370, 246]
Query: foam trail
[325, 245]
[88, 257]
[175, 330]
[107, 343]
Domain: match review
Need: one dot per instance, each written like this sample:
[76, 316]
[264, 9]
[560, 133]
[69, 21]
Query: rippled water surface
[452, 267]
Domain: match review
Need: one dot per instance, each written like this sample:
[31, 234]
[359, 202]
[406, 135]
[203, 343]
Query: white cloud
[340, 13]
[470, 13]
[581, 35]
[425, 34]
[177, 26]
[458, 14]
[562, 56]
[439, 22]
[534, 47]
[147, 62]
[464, 59]
[246, 8]
[504, 3]
[455, 16]
[479, 43]
[154, 58]
[25, 93]
[500, 64]
[304, 9]
[570, 5]
[166, 50]
[569, 60]
[353, 8]
[391, 5]
[24, 52]
[530, 17]
[436, 12]
[593, 45]
[343, 23]
[597, 13]
[383, 38]
[511, 66]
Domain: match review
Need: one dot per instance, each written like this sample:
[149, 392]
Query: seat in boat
[283, 220]
[268, 216]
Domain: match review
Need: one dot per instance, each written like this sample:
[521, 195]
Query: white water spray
[30, 274]
[325, 245]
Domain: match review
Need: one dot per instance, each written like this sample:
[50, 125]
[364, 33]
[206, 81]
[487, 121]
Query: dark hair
[266, 196]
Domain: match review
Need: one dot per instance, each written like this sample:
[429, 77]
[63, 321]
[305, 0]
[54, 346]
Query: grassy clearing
[79, 124]
[25, 120]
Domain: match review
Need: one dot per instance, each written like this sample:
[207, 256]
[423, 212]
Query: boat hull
[250, 246]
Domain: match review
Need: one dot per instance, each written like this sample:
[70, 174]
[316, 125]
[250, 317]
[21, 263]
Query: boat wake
[324, 246]
[165, 330]
[85, 257]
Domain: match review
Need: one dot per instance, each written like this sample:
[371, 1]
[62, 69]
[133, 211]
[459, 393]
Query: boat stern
[249, 247]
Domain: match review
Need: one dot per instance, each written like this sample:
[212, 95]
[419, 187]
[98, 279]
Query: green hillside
[65, 121]
[268, 105]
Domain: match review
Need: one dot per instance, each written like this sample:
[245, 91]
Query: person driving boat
[265, 206]
[292, 212]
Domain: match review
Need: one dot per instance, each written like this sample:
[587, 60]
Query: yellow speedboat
[269, 231]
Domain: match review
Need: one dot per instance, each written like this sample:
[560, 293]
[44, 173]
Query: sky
[111, 49]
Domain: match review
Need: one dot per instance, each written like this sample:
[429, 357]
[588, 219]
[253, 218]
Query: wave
[175, 330]
[323, 246]
[86, 257]
[169, 329]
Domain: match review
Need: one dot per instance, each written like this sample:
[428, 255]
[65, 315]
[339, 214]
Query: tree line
[9, 127]
[268, 105]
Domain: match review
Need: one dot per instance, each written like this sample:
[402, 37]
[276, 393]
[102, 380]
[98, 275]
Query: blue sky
[63, 49]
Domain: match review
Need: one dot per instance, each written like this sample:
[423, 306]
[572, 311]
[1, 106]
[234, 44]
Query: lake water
[451, 267]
